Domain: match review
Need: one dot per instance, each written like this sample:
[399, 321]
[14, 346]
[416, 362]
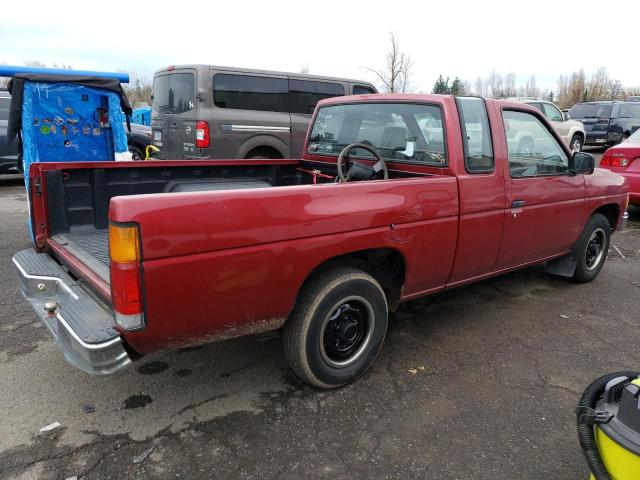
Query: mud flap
[564, 266]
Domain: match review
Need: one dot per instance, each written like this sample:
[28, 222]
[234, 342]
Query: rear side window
[624, 111]
[174, 93]
[635, 111]
[4, 108]
[591, 110]
[305, 94]
[245, 92]
[362, 90]
[476, 135]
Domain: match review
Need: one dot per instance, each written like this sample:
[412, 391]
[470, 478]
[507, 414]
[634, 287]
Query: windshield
[635, 137]
[397, 131]
[591, 110]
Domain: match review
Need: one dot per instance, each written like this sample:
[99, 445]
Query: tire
[576, 143]
[137, 153]
[592, 248]
[623, 138]
[337, 328]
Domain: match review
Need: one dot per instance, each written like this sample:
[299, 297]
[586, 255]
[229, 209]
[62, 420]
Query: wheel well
[264, 151]
[580, 134]
[612, 212]
[386, 265]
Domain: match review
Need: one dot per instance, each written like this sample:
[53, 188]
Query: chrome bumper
[624, 221]
[82, 326]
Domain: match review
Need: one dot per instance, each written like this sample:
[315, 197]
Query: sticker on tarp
[54, 129]
[63, 130]
[96, 131]
[45, 130]
[36, 123]
[59, 120]
[86, 130]
[72, 121]
[68, 111]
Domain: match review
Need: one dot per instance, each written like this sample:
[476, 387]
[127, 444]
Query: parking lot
[479, 382]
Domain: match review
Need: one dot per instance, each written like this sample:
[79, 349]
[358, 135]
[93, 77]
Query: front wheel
[576, 143]
[592, 248]
[337, 327]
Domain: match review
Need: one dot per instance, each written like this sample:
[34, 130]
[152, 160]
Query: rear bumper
[82, 325]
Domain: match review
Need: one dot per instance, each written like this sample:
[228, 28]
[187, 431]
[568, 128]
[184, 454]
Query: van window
[245, 92]
[635, 111]
[174, 93]
[305, 94]
[362, 90]
[624, 111]
[4, 108]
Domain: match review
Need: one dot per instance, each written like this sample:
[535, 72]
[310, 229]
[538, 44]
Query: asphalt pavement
[475, 383]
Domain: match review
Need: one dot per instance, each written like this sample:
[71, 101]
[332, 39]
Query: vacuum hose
[585, 430]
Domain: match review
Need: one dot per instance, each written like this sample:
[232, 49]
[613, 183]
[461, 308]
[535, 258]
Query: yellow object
[123, 243]
[636, 382]
[621, 464]
[149, 149]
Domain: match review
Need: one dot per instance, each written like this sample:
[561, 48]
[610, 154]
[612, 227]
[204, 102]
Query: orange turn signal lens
[123, 243]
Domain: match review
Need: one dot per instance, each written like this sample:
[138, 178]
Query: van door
[303, 96]
[250, 116]
[173, 123]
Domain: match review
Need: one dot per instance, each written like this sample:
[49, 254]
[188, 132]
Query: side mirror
[581, 162]
[565, 116]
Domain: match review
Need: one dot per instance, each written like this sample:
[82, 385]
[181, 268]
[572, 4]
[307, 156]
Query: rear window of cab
[404, 132]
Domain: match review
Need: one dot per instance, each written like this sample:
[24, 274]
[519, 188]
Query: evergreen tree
[457, 87]
[441, 86]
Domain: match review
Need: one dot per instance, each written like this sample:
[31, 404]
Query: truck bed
[90, 246]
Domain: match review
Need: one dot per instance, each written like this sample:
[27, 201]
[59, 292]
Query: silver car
[571, 131]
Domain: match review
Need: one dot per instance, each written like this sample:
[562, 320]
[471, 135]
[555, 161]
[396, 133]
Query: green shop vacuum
[608, 418]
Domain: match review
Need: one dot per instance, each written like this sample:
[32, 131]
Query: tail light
[126, 281]
[203, 140]
[614, 159]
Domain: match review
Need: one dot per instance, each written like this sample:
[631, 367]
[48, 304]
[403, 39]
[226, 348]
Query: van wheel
[337, 327]
[623, 138]
[136, 152]
[576, 143]
[593, 246]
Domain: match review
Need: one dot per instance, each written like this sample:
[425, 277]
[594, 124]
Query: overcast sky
[456, 38]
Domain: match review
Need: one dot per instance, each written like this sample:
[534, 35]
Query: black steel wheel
[337, 327]
[592, 248]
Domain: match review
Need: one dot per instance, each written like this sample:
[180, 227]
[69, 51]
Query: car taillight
[125, 270]
[203, 140]
[614, 159]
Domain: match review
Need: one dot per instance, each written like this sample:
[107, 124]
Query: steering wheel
[344, 154]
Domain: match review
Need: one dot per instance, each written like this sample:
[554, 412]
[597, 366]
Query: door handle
[517, 204]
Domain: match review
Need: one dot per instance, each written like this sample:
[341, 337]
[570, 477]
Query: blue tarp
[141, 116]
[62, 122]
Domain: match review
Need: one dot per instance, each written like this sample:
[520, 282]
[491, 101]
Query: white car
[571, 131]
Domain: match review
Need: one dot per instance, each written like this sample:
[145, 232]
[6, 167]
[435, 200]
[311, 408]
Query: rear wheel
[136, 152]
[576, 143]
[623, 138]
[592, 248]
[337, 327]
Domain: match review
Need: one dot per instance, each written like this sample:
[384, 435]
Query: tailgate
[82, 325]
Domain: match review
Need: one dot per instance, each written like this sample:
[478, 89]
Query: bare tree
[577, 88]
[597, 86]
[480, 88]
[531, 88]
[304, 69]
[396, 75]
[509, 85]
[138, 89]
[494, 85]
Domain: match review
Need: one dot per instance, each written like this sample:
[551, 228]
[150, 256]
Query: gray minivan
[203, 111]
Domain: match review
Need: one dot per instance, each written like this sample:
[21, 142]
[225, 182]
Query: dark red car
[624, 159]
[394, 197]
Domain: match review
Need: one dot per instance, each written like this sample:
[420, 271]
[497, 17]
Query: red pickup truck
[395, 197]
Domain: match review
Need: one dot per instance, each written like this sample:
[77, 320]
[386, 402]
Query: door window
[635, 111]
[305, 94]
[476, 135]
[174, 93]
[625, 111]
[533, 150]
[245, 92]
[362, 90]
[552, 113]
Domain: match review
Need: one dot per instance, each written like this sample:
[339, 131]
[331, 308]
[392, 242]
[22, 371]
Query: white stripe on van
[253, 128]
